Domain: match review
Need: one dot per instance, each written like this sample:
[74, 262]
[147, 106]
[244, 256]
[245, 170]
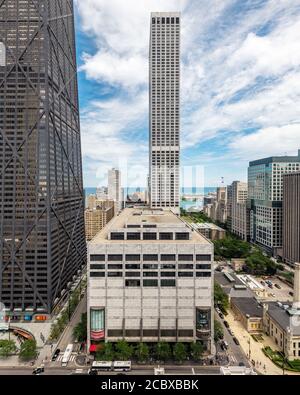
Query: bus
[67, 355]
[122, 366]
[104, 366]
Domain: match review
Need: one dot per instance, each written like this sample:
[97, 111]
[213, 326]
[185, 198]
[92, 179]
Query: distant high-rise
[114, 188]
[42, 240]
[165, 111]
[265, 189]
[239, 210]
[291, 218]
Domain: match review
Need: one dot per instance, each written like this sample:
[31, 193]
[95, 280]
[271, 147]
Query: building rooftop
[279, 312]
[142, 218]
[208, 225]
[248, 306]
[276, 159]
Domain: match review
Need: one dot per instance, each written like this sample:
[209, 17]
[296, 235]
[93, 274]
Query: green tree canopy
[7, 348]
[124, 350]
[142, 352]
[179, 352]
[28, 350]
[80, 330]
[197, 351]
[219, 332]
[221, 298]
[163, 351]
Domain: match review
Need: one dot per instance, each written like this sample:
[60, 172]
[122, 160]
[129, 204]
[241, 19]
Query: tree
[180, 352]
[219, 332]
[163, 351]
[28, 350]
[142, 352]
[7, 348]
[231, 247]
[221, 298]
[197, 350]
[124, 350]
[80, 330]
[259, 264]
[107, 353]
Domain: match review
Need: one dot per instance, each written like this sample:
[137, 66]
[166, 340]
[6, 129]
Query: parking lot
[275, 293]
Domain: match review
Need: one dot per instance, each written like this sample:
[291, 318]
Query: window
[185, 266]
[133, 274]
[132, 333]
[168, 257]
[203, 258]
[132, 267]
[115, 257]
[150, 266]
[117, 236]
[185, 274]
[132, 257]
[182, 236]
[185, 333]
[150, 332]
[167, 266]
[95, 258]
[133, 236]
[97, 274]
[150, 283]
[203, 274]
[150, 274]
[166, 236]
[168, 283]
[149, 236]
[97, 267]
[168, 332]
[132, 283]
[115, 266]
[203, 267]
[183, 257]
[115, 274]
[115, 333]
[168, 274]
[150, 257]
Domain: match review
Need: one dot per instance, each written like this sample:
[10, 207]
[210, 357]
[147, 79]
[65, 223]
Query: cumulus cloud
[240, 72]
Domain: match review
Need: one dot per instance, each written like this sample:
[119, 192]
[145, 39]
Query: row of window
[150, 333]
[149, 236]
[150, 274]
[150, 257]
[99, 266]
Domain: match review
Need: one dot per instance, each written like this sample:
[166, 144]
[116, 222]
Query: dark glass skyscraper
[42, 240]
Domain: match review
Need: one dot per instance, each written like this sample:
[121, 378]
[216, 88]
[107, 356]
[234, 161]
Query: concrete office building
[114, 188]
[265, 183]
[150, 279]
[291, 218]
[42, 241]
[96, 218]
[229, 207]
[240, 225]
[165, 111]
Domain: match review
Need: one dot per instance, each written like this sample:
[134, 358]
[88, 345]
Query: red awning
[93, 348]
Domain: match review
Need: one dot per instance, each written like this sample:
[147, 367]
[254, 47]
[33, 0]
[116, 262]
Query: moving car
[38, 370]
[55, 355]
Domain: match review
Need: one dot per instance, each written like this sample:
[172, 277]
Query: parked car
[291, 293]
[221, 315]
[236, 341]
[270, 286]
[241, 364]
[230, 331]
[278, 286]
[55, 355]
[224, 345]
[263, 283]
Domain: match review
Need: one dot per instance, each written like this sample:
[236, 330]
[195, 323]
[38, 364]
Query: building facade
[240, 217]
[42, 241]
[96, 218]
[265, 183]
[150, 279]
[114, 188]
[165, 111]
[291, 218]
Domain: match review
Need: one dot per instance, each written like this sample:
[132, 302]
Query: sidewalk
[257, 354]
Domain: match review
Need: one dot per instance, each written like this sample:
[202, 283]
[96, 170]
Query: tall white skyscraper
[165, 111]
[114, 188]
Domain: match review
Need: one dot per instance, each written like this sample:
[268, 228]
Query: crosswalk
[72, 358]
